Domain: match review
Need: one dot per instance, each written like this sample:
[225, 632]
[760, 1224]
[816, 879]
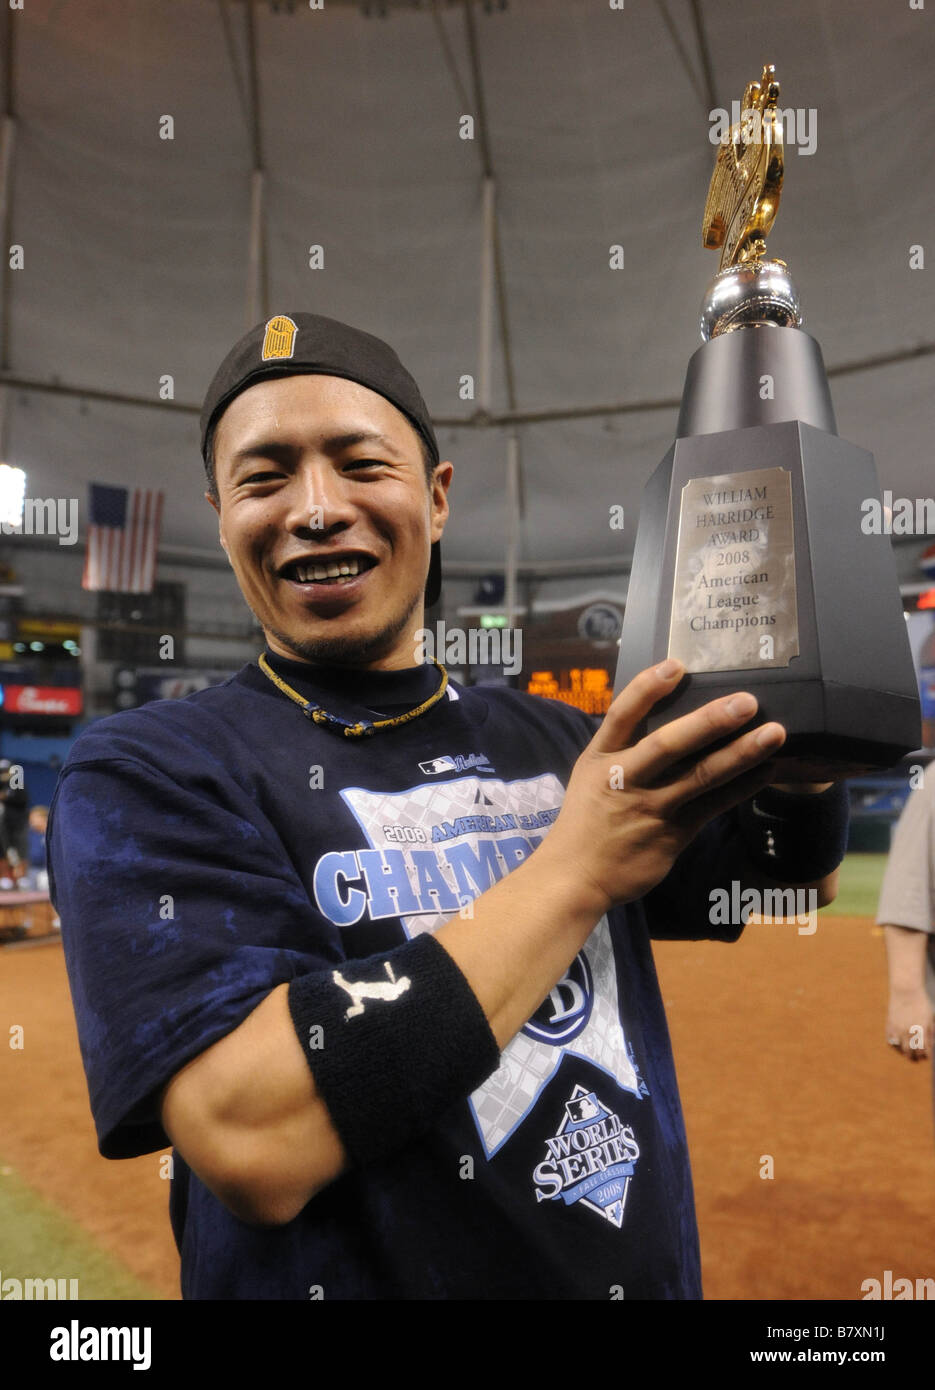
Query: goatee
[360, 649]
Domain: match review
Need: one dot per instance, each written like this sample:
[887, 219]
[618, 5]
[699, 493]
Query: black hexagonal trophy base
[849, 701]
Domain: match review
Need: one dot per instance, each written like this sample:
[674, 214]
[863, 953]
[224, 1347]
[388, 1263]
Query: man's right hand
[632, 806]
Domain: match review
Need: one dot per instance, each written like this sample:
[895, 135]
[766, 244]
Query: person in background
[906, 912]
[14, 805]
[37, 875]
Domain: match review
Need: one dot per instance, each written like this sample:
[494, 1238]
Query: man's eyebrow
[333, 444]
[263, 449]
[338, 442]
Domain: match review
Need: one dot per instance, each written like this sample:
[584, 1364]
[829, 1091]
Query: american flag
[123, 534]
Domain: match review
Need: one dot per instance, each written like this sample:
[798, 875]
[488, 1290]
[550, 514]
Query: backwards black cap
[293, 344]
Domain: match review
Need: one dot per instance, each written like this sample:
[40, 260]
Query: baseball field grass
[39, 1241]
[859, 887]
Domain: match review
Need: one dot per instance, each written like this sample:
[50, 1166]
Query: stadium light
[12, 494]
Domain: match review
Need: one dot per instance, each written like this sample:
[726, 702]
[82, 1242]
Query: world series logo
[590, 1159]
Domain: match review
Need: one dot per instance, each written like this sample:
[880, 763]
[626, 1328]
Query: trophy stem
[757, 375]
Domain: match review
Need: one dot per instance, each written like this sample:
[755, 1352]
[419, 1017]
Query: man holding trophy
[403, 1029]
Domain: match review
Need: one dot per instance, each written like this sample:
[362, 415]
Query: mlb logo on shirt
[459, 762]
[435, 765]
[578, 1111]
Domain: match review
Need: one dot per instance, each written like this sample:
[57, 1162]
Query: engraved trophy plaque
[750, 563]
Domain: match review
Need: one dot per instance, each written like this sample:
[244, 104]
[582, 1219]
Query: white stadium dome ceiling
[592, 124]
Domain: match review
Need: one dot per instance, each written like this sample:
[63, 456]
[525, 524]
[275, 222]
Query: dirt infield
[46, 1131]
[780, 1048]
[780, 1052]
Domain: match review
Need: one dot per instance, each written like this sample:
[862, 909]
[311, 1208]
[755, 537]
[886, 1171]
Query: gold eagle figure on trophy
[744, 193]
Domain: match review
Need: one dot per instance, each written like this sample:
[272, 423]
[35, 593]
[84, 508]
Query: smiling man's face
[317, 470]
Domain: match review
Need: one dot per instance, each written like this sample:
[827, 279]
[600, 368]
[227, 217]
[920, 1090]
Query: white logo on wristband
[360, 989]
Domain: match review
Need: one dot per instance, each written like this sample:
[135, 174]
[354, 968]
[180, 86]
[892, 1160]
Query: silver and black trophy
[750, 563]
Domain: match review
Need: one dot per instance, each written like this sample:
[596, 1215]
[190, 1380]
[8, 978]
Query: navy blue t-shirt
[205, 850]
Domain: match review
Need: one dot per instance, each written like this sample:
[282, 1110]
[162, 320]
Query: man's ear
[440, 485]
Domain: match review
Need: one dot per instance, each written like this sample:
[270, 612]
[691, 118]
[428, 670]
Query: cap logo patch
[280, 338]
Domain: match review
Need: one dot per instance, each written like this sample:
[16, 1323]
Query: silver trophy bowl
[755, 293]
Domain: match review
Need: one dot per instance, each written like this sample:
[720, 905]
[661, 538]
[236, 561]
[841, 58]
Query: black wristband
[796, 837]
[392, 1040]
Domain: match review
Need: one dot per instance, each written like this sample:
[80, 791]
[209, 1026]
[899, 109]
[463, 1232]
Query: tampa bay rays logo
[590, 1159]
[359, 990]
[567, 1008]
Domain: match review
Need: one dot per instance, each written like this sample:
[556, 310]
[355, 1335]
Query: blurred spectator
[14, 813]
[907, 914]
[37, 875]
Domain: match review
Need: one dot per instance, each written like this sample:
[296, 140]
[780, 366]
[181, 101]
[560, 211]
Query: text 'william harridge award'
[750, 562]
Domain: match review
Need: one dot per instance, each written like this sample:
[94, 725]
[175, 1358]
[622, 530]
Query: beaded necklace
[363, 728]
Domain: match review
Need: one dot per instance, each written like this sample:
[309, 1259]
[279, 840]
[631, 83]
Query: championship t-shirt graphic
[435, 847]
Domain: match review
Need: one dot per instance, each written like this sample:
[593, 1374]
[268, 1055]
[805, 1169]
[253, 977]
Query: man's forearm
[246, 1114]
[524, 933]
